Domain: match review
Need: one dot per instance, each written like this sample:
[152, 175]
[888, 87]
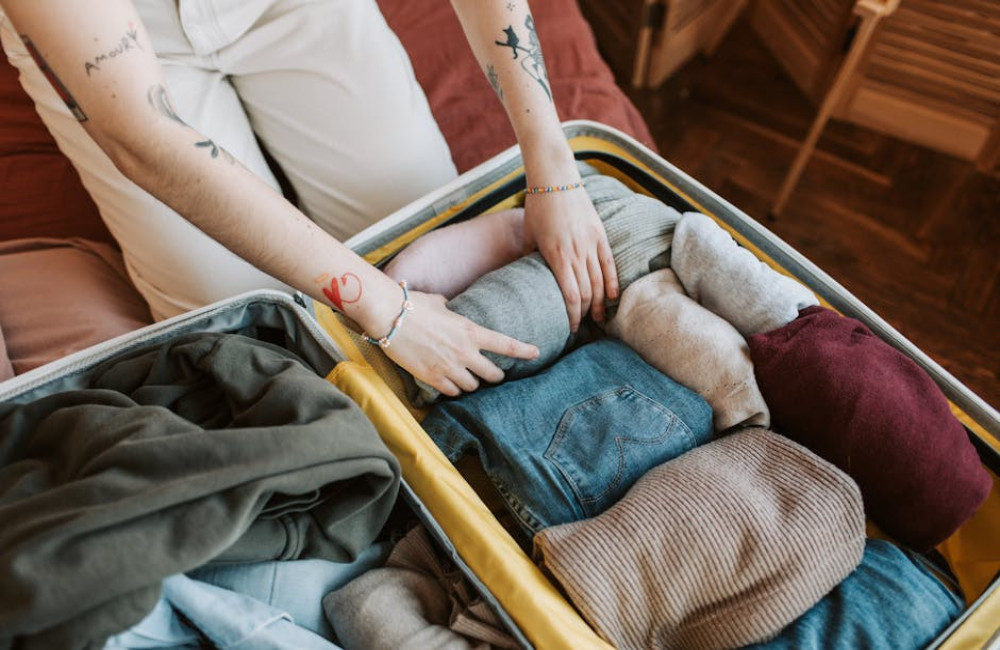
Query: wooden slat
[964, 60]
[938, 127]
[971, 33]
[948, 86]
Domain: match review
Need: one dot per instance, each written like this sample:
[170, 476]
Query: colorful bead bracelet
[545, 189]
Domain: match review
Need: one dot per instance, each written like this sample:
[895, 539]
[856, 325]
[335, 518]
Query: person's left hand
[570, 236]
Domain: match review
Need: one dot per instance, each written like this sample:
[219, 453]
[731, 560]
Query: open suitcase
[531, 606]
[272, 318]
[533, 603]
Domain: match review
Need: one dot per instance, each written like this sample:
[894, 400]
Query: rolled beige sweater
[719, 548]
[692, 346]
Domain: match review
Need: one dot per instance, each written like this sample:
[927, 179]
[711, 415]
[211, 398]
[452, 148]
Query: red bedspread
[469, 113]
[41, 195]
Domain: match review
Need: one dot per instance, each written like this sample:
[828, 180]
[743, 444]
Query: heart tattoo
[335, 292]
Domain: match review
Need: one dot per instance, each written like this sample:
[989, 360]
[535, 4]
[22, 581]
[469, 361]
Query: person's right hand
[444, 349]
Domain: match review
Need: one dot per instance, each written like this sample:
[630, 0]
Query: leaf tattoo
[159, 100]
[494, 78]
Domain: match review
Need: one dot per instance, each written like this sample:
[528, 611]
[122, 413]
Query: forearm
[502, 36]
[187, 171]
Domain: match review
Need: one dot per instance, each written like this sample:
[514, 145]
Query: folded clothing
[522, 299]
[693, 346]
[296, 587]
[567, 443]
[719, 548]
[190, 612]
[417, 601]
[890, 602]
[729, 280]
[472, 248]
[206, 447]
[838, 389]
[640, 228]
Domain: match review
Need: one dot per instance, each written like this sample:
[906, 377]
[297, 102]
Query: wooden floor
[913, 233]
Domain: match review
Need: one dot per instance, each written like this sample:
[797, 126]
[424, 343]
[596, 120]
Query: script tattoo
[491, 74]
[532, 61]
[127, 43]
[60, 88]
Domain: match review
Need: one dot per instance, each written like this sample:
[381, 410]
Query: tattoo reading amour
[127, 43]
[531, 61]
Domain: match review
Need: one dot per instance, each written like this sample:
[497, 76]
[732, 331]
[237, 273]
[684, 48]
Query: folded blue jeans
[567, 443]
[890, 602]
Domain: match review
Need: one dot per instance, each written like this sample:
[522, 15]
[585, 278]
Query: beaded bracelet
[545, 189]
[386, 340]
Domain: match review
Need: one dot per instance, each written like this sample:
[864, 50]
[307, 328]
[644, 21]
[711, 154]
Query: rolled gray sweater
[523, 300]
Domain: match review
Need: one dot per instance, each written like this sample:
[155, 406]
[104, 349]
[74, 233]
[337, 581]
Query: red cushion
[40, 192]
[470, 116]
[838, 389]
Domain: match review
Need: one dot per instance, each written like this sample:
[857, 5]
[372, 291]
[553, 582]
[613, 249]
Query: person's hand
[444, 349]
[570, 236]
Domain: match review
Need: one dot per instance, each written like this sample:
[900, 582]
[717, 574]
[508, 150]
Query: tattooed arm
[564, 225]
[101, 61]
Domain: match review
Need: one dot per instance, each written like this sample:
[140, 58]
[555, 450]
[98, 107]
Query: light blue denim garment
[296, 587]
[890, 602]
[161, 628]
[190, 612]
[567, 443]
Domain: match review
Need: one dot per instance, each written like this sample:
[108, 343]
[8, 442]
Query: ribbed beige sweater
[719, 548]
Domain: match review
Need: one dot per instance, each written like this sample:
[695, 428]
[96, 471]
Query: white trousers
[323, 84]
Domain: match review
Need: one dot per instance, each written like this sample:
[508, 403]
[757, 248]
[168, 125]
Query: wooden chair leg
[640, 67]
[869, 20]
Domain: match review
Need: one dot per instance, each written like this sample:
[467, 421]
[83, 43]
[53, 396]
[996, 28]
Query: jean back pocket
[603, 444]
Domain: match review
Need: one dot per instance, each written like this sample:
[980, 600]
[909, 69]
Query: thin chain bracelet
[386, 340]
[545, 189]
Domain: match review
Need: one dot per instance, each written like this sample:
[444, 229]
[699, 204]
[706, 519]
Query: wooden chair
[925, 71]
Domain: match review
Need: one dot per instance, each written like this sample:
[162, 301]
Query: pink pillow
[836, 388]
[62, 295]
